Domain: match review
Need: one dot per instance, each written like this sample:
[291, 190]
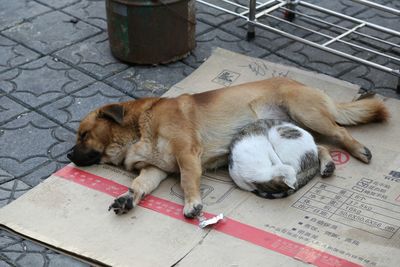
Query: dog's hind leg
[148, 180]
[343, 137]
[318, 112]
[322, 122]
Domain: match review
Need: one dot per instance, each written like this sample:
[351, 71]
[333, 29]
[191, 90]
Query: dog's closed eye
[83, 135]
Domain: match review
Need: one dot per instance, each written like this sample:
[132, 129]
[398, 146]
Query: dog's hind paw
[363, 154]
[367, 154]
[122, 204]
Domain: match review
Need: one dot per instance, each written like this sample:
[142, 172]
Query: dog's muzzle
[82, 156]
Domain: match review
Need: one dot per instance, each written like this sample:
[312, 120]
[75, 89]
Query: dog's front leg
[148, 180]
[190, 169]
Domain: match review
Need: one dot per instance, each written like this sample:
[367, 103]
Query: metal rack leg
[291, 5]
[252, 16]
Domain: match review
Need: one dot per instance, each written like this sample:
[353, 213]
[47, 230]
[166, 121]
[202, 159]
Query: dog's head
[100, 130]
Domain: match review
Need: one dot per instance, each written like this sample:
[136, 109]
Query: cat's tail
[281, 184]
[361, 111]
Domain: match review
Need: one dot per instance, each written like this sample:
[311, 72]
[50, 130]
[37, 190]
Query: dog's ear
[114, 112]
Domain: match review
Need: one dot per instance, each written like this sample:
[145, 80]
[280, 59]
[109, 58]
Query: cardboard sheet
[351, 219]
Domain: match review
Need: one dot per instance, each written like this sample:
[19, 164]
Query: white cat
[273, 158]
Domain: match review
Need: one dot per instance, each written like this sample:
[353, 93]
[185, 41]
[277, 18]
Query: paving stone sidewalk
[55, 66]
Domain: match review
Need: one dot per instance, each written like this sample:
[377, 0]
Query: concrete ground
[55, 66]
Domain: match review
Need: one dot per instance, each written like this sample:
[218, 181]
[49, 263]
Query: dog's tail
[361, 111]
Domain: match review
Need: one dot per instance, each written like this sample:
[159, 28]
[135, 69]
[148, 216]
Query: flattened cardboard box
[350, 219]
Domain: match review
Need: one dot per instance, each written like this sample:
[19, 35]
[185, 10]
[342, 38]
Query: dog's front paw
[192, 209]
[122, 204]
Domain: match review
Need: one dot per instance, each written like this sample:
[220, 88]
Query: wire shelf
[337, 37]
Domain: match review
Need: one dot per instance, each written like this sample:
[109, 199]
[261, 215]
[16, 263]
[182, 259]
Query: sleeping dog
[190, 133]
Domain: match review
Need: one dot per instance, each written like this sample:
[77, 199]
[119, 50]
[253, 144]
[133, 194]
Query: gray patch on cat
[260, 127]
[288, 132]
[275, 195]
[309, 167]
[275, 188]
[308, 160]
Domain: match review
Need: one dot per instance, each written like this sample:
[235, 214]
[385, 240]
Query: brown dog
[191, 132]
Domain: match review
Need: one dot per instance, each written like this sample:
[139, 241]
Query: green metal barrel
[151, 31]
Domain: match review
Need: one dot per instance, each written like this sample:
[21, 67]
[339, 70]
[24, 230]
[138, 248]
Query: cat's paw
[288, 174]
[327, 169]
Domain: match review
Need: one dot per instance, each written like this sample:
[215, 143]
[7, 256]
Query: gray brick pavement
[207, 41]
[69, 110]
[57, 3]
[41, 81]
[55, 66]
[13, 54]
[93, 12]
[14, 12]
[34, 176]
[9, 109]
[143, 81]
[12, 189]
[50, 32]
[94, 56]
[31, 140]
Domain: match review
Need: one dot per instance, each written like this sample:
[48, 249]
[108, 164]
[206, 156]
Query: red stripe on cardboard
[92, 181]
[228, 226]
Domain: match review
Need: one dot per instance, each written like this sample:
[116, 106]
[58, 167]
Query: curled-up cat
[273, 158]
